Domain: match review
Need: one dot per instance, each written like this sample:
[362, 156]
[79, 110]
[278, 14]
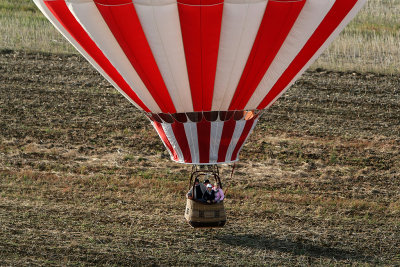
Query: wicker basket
[205, 215]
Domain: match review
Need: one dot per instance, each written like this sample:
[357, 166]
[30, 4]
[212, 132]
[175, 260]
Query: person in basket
[219, 193]
[209, 195]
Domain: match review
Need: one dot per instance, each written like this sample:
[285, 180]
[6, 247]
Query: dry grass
[371, 43]
[84, 180]
[50, 219]
[22, 26]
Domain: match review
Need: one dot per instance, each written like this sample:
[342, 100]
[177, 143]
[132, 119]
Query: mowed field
[85, 180]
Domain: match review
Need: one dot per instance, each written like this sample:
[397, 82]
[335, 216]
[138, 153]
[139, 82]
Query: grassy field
[85, 180]
[370, 43]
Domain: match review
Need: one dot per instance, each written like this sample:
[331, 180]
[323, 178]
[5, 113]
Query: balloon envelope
[201, 70]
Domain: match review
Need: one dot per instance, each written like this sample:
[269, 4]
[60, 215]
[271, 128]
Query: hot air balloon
[202, 71]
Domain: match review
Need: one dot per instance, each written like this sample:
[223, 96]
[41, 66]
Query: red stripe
[114, 2]
[61, 12]
[226, 137]
[164, 138]
[180, 136]
[242, 138]
[332, 20]
[276, 24]
[201, 28]
[124, 23]
[204, 135]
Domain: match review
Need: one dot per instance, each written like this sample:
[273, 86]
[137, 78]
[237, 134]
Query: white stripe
[161, 26]
[154, 2]
[165, 145]
[172, 140]
[215, 140]
[311, 16]
[191, 134]
[91, 20]
[43, 8]
[336, 33]
[240, 24]
[247, 137]
[235, 138]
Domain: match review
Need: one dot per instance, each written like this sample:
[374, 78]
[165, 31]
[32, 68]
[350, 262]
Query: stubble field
[84, 179]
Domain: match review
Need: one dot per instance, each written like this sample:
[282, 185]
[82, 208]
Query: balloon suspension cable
[204, 172]
[233, 169]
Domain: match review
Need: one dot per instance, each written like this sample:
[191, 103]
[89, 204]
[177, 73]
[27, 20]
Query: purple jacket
[219, 195]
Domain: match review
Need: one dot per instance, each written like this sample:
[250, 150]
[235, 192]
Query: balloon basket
[204, 215]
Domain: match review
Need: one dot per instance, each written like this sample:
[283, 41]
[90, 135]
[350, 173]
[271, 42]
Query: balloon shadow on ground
[294, 247]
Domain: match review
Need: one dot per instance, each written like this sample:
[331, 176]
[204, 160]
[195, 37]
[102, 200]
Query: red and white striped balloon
[201, 70]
